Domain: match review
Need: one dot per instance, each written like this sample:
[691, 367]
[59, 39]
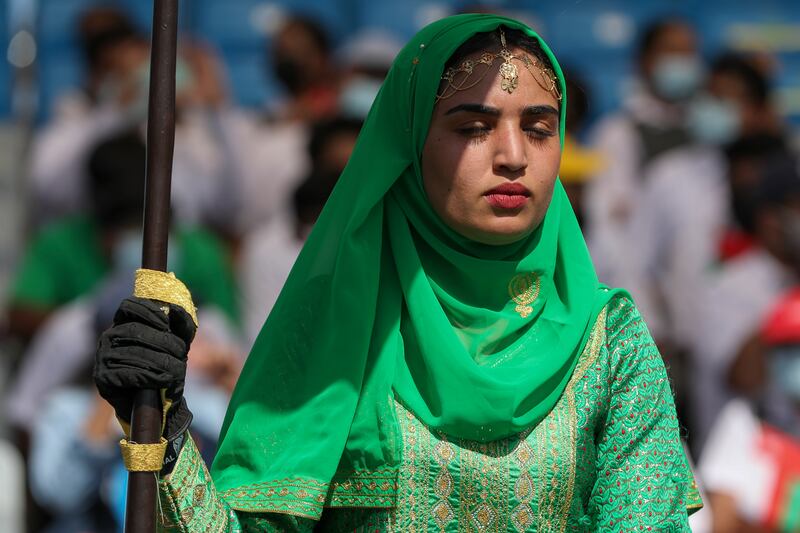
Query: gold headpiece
[458, 78]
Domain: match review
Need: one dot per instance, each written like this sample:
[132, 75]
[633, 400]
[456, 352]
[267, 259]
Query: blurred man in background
[652, 121]
[113, 53]
[66, 259]
[114, 99]
[751, 462]
[735, 300]
[302, 60]
[365, 60]
[271, 250]
[268, 149]
[690, 203]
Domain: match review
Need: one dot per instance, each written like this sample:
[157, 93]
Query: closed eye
[476, 133]
[538, 133]
[474, 130]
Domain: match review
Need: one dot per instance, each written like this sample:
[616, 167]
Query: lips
[508, 196]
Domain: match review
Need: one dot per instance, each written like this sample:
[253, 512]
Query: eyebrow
[493, 111]
[540, 110]
[474, 108]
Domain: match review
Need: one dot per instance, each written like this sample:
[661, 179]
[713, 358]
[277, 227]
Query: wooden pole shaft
[140, 512]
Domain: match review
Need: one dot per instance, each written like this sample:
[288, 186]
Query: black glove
[146, 348]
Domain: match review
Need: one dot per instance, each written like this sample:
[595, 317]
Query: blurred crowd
[688, 195]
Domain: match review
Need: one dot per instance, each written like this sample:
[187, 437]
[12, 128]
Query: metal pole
[140, 511]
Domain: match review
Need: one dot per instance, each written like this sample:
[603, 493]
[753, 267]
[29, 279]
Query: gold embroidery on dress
[444, 484]
[485, 483]
[524, 289]
[188, 501]
[597, 339]
[411, 511]
[525, 482]
[524, 488]
[566, 498]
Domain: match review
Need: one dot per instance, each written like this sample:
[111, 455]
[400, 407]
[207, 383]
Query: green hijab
[387, 303]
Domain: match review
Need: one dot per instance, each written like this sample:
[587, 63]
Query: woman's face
[491, 158]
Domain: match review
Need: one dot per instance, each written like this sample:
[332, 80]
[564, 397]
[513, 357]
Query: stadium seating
[593, 37]
[59, 63]
[404, 18]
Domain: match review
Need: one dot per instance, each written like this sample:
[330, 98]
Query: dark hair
[756, 146]
[740, 67]
[101, 28]
[325, 130]
[116, 180]
[747, 198]
[780, 181]
[578, 97]
[490, 40]
[314, 29]
[310, 197]
[654, 31]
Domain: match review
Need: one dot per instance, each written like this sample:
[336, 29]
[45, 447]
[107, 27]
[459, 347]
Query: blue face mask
[785, 371]
[111, 88]
[714, 121]
[126, 255]
[357, 96]
[677, 77]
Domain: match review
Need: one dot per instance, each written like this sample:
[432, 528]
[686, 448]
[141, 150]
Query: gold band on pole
[164, 287]
[143, 457]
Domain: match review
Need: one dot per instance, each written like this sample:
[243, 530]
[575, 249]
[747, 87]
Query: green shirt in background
[65, 260]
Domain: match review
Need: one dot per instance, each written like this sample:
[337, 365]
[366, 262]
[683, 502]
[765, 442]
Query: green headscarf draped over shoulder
[387, 303]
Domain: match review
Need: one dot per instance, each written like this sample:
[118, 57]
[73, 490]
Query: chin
[500, 234]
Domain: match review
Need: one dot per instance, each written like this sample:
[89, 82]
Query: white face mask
[677, 77]
[127, 252]
[785, 371]
[714, 121]
[357, 96]
[126, 255]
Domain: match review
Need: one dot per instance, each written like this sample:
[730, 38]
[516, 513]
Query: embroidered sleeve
[644, 482]
[189, 502]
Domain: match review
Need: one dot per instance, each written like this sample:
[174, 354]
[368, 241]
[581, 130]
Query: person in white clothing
[113, 100]
[651, 122]
[690, 204]
[735, 300]
[271, 250]
[751, 462]
[112, 50]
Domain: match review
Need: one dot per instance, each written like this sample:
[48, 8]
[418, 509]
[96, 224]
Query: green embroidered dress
[608, 457]
[409, 379]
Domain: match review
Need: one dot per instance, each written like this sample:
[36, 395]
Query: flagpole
[140, 511]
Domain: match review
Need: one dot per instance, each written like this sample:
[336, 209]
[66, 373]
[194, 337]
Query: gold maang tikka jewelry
[457, 78]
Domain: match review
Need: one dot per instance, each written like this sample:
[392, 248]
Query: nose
[510, 154]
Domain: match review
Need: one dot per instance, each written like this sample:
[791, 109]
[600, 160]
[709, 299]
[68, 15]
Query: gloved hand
[146, 348]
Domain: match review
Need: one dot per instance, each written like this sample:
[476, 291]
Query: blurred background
[680, 162]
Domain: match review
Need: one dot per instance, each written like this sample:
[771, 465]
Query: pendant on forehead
[509, 75]
[524, 289]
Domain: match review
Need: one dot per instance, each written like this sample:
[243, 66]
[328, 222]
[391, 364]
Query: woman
[442, 356]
